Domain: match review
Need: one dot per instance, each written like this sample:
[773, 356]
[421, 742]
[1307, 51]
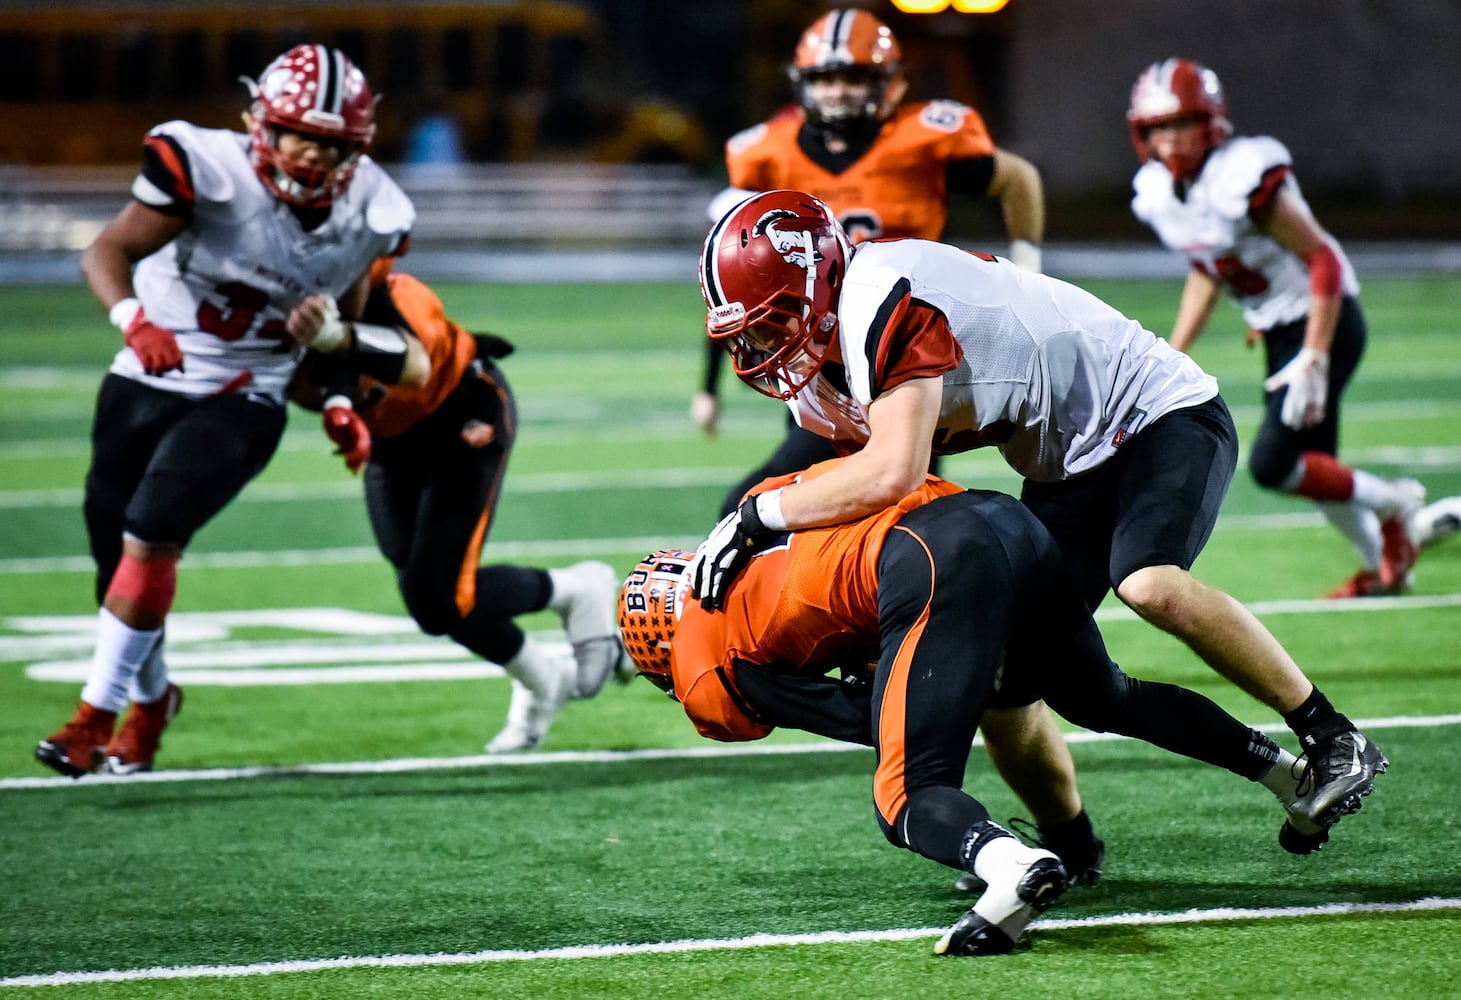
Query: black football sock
[1316, 721]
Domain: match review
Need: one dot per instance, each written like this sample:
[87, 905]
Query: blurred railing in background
[468, 207]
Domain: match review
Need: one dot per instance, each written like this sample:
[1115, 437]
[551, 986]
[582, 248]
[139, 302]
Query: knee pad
[150, 584]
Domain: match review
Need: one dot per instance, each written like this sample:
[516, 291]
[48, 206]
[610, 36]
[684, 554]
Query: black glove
[722, 556]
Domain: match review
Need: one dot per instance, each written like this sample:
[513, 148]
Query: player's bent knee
[1270, 470]
[434, 614]
[1158, 594]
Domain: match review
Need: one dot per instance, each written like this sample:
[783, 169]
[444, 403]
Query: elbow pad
[378, 351]
[1325, 272]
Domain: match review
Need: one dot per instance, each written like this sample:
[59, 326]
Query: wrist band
[768, 509]
[124, 312]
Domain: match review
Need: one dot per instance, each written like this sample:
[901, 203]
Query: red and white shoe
[1364, 583]
[78, 747]
[135, 746]
[1398, 531]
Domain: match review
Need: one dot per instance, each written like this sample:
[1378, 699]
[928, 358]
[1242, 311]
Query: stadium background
[296, 821]
[598, 124]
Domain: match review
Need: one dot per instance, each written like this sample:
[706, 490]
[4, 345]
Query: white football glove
[1307, 379]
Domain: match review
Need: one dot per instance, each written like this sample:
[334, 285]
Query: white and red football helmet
[318, 92]
[854, 43]
[1176, 90]
[650, 603]
[771, 273]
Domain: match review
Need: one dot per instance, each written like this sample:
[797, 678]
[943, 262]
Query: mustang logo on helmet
[792, 244]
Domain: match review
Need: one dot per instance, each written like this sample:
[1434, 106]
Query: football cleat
[1289, 780]
[1082, 861]
[136, 744]
[1020, 882]
[79, 747]
[1438, 521]
[543, 679]
[1292, 838]
[1341, 771]
[585, 595]
[1399, 549]
[1364, 583]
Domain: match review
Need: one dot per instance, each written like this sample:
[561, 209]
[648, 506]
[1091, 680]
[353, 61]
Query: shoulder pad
[214, 155]
[1237, 167]
[943, 116]
[388, 210]
[1151, 184]
[746, 138]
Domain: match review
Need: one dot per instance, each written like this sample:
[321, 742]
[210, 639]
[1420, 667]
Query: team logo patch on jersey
[1129, 426]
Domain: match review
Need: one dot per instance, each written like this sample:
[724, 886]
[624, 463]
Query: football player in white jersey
[1232, 207]
[899, 348]
[236, 252]
[886, 166]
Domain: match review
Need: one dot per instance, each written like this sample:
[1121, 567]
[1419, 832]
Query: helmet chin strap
[811, 275]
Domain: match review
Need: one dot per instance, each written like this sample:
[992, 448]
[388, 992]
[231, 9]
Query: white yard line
[707, 751]
[971, 469]
[593, 951]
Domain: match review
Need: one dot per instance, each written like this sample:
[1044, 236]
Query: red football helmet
[852, 43]
[318, 92]
[771, 272]
[649, 609]
[1175, 90]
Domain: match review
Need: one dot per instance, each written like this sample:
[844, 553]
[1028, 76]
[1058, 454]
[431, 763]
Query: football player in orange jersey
[434, 460]
[935, 609]
[886, 168]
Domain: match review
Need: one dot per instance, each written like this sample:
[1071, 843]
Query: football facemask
[1171, 92]
[320, 96]
[855, 47]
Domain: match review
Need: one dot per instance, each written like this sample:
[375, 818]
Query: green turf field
[627, 857]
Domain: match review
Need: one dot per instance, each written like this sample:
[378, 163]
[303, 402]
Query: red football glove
[349, 433]
[155, 347]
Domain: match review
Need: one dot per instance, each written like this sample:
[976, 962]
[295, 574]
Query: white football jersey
[1050, 374]
[227, 283]
[1211, 227]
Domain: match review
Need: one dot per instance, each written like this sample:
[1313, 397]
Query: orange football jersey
[897, 189]
[450, 347]
[811, 604]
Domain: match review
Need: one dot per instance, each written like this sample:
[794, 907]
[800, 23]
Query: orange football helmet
[318, 92]
[649, 609]
[1175, 90]
[851, 43]
[771, 272]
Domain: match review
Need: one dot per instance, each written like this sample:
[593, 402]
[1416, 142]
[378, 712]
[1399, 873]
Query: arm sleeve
[714, 365]
[815, 703]
[969, 175]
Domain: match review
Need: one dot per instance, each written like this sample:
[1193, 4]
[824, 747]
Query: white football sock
[1361, 525]
[150, 684]
[120, 653]
[1373, 492]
